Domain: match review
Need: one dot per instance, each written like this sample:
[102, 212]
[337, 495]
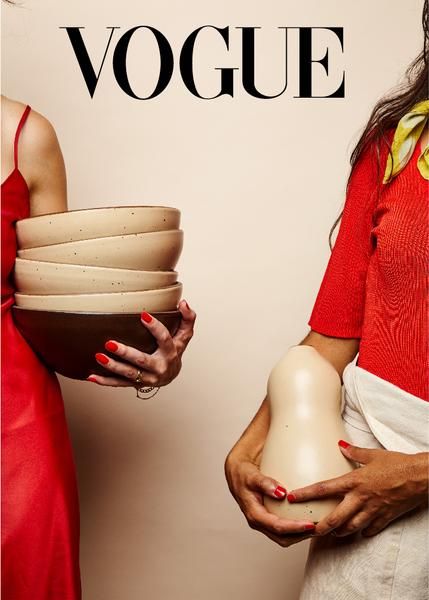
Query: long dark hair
[393, 106]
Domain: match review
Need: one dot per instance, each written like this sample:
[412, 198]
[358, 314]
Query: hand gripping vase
[304, 392]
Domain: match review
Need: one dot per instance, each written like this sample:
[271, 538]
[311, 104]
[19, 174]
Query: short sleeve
[339, 306]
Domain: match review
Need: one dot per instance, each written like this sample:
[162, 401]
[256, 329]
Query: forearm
[252, 440]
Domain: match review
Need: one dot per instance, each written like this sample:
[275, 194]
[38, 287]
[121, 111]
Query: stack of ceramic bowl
[84, 277]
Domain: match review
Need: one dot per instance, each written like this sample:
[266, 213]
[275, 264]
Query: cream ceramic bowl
[165, 299]
[58, 228]
[155, 251]
[36, 277]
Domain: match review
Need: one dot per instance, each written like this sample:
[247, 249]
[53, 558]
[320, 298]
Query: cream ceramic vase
[304, 392]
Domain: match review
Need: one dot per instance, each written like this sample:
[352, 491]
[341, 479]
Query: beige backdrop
[259, 184]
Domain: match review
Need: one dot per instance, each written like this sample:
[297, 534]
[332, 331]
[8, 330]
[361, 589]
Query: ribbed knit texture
[375, 286]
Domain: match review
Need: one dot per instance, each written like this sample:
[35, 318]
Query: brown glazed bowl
[67, 342]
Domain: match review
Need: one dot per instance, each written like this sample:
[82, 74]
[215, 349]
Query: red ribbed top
[375, 286]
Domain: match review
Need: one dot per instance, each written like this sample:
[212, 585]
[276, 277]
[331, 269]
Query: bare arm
[42, 165]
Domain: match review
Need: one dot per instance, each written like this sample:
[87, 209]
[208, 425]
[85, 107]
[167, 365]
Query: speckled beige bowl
[165, 299]
[58, 228]
[37, 277]
[156, 251]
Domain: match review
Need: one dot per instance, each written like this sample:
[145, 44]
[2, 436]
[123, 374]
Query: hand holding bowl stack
[85, 276]
[304, 392]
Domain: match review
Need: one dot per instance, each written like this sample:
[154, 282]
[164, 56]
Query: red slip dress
[40, 511]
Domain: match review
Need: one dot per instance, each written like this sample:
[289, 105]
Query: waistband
[397, 419]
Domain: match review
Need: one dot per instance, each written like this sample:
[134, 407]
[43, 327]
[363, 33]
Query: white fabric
[392, 565]
[397, 419]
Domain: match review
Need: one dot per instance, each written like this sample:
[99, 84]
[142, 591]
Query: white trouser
[392, 565]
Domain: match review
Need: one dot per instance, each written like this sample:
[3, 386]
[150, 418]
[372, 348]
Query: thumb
[360, 455]
[267, 486]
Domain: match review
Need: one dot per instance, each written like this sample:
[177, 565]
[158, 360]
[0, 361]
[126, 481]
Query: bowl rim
[107, 237]
[90, 314]
[93, 267]
[76, 210]
[175, 286]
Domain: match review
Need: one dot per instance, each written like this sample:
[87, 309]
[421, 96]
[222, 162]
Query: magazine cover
[214, 250]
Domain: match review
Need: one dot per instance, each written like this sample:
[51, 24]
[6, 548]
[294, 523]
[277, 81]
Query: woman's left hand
[387, 485]
[156, 369]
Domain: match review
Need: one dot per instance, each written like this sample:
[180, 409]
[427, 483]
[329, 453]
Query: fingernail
[91, 378]
[280, 492]
[187, 305]
[343, 444]
[102, 358]
[111, 346]
[309, 527]
[146, 317]
[291, 497]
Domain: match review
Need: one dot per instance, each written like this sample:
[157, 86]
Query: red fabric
[375, 286]
[40, 514]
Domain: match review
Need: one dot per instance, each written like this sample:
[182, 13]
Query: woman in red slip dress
[40, 511]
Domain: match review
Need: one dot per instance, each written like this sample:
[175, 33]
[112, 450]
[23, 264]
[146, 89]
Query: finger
[110, 381]
[360, 455]
[125, 370]
[259, 518]
[186, 329]
[188, 315]
[266, 485]
[330, 487]
[160, 333]
[340, 515]
[148, 362]
[359, 521]
[377, 525]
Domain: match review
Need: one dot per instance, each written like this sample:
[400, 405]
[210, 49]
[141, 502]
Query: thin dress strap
[18, 133]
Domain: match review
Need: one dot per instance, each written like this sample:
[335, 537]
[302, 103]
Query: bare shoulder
[38, 138]
[39, 156]
[11, 111]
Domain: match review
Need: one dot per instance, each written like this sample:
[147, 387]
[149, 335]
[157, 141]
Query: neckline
[11, 174]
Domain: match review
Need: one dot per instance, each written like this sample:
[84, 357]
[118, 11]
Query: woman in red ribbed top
[372, 305]
[375, 287]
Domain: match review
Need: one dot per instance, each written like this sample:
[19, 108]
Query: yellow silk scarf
[407, 134]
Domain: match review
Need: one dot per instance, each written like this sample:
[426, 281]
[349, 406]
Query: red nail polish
[280, 492]
[291, 497]
[91, 379]
[187, 305]
[111, 346]
[146, 317]
[102, 358]
[309, 527]
[343, 444]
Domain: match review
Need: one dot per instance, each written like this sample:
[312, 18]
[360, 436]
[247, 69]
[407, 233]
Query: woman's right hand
[249, 486]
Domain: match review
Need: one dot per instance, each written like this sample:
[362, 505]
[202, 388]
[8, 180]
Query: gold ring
[138, 379]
